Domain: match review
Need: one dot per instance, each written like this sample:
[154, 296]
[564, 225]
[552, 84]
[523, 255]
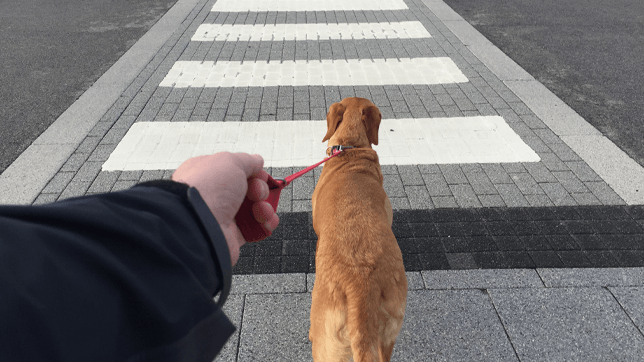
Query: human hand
[224, 180]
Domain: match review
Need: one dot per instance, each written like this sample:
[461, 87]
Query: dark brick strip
[487, 238]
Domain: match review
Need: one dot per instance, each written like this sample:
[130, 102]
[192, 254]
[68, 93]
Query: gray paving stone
[88, 145]
[592, 277]
[536, 144]
[583, 171]
[604, 193]
[526, 183]
[88, 171]
[533, 121]
[124, 122]
[74, 189]
[302, 205]
[410, 175]
[74, 162]
[558, 194]
[564, 152]
[511, 195]
[45, 199]
[586, 199]
[482, 279]
[444, 202]
[429, 169]
[461, 261]
[570, 182]
[303, 187]
[268, 283]
[491, 201]
[630, 298]
[131, 175]
[539, 172]
[549, 137]
[102, 152]
[216, 115]
[496, 173]
[539, 200]
[100, 129]
[418, 197]
[451, 325]
[58, 183]
[123, 185]
[480, 183]
[104, 182]
[393, 185]
[436, 184]
[400, 203]
[469, 168]
[465, 196]
[150, 175]
[414, 281]
[233, 118]
[567, 324]
[285, 203]
[513, 167]
[275, 327]
[553, 162]
[251, 115]
[453, 174]
[233, 308]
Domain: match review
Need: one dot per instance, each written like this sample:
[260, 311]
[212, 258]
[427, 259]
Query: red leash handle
[251, 229]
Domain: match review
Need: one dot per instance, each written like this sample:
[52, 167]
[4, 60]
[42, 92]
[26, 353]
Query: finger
[252, 165]
[257, 190]
[263, 212]
[272, 223]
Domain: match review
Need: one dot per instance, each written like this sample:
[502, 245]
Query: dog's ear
[333, 118]
[371, 117]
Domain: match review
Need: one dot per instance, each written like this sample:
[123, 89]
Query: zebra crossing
[453, 134]
[284, 143]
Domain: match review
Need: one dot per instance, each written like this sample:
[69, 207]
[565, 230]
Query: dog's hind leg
[363, 301]
[328, 331]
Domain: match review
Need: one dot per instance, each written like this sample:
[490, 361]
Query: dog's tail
[363, 304]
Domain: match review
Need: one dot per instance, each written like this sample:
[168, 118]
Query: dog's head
[353, 122]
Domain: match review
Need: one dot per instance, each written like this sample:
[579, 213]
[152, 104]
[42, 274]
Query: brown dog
[360, 291]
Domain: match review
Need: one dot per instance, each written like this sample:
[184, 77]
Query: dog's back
[360, 289]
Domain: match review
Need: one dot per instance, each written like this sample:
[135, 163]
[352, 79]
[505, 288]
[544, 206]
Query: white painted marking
[326, 72]
[307, 5]
[270, 32]
[165, 145]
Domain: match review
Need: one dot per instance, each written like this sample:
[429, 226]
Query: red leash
[249, 227]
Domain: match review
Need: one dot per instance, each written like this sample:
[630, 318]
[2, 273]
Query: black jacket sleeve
[125, 276]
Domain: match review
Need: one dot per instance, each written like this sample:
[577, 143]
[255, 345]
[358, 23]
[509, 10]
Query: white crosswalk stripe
[324, 72]
[307, 5]
[270, 32]
[165, 145]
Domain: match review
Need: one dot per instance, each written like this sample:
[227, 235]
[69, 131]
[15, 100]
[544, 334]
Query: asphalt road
[52, 51]
[590, 53]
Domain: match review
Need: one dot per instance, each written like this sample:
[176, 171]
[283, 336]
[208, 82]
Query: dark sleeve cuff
[218, 244]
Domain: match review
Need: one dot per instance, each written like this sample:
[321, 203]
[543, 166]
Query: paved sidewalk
[497, 185]
[468, 315]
